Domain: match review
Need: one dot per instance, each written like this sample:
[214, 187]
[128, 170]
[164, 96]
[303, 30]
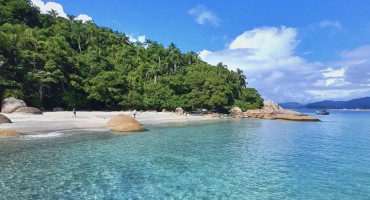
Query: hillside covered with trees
[50, 61]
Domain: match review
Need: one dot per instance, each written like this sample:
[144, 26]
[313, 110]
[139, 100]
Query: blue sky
[289, 50]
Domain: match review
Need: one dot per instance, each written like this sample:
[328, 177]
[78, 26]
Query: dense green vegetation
[50, 61]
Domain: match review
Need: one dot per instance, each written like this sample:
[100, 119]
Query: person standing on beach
[134, 113]
[74, 113]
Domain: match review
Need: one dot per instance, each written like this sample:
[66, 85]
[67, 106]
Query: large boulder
[236, 111]
[272, 110]
[11, 104]
[8, 133]
[28, 110]
[257, 113]
[270, 106]
[179, 111]
[4, 119]
[124, 123]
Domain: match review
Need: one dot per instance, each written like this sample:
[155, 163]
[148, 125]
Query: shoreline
[49, 122]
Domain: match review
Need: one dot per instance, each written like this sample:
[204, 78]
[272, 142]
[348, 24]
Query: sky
[290, 51]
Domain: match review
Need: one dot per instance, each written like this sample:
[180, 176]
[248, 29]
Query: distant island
[360, 103]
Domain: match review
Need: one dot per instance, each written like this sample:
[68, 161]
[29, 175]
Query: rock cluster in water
[124, 123]
[272, 110]
[13, 105]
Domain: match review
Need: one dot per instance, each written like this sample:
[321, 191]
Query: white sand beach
[58, 121]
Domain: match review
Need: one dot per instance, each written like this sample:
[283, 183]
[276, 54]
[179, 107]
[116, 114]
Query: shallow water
[226, 159]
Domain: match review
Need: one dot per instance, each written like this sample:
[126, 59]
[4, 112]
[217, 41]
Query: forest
[50, 61]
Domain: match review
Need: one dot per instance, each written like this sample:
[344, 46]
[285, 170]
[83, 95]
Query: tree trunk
[155, 77]
[63, 88]
[79, 47]
[40, 93]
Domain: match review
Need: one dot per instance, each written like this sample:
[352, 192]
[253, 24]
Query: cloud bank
[267, 57]
[84, 18]
[203, 15]
[140, 38]
[48, 6]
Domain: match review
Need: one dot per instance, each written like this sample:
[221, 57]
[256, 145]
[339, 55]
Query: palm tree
[242, 78]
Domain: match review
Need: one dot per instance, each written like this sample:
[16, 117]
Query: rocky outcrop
[179, 111]
[4, 119]
[11, 104]
[8, 133]
[124, 123]
[272, 110]
[236, 111]
[28, 110]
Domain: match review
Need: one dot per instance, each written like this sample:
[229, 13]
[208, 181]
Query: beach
[59, 121]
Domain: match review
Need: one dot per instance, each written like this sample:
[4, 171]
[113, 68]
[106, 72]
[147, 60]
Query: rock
[258, 113]
[11, 104]
[4, 119]
[28, 110]
[179, 111]
[270, 106]
[272, 110]
[236, 111]
[124, 123]
[8, 133]
[299, 117]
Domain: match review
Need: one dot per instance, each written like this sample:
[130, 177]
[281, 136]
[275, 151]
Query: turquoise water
[225, 159]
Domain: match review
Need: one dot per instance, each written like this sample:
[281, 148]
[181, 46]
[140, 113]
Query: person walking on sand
[74, 113]
[134, 113]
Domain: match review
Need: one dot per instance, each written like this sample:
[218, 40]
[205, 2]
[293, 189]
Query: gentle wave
[48, 135]
[60, 133]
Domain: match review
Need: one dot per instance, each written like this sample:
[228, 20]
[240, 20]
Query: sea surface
[223, 159]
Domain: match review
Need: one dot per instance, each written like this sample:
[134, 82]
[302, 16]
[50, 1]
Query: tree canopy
[51, 61]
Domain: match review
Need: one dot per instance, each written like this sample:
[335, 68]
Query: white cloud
[48, 6]
[267, 40]
[44, 8]
[203, 15]
[328, 23]
[84, 18]
[140, 38]
[260, 48]
[330, 72]
[267, 57]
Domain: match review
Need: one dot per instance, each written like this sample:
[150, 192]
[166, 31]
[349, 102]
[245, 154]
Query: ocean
[222, 159]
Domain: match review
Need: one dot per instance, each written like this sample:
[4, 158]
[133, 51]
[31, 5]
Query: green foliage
[51, 61]
[249, 99]
[16, 93]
